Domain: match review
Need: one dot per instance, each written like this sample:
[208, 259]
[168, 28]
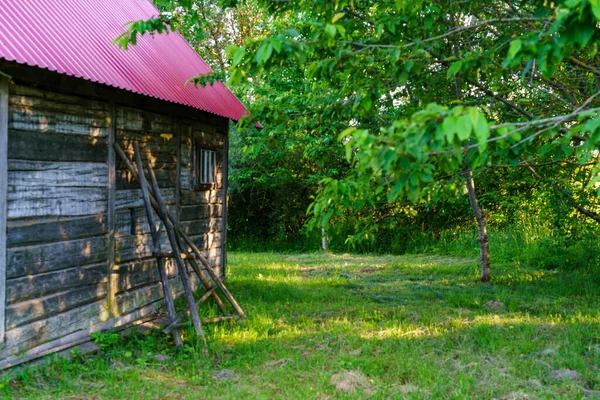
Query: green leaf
[450, 128]
[336, 17]
[464, 127]
[238, 55]
[454, 68]
[514, 48]
[277, 44]
[595, 4]
[347, 132]
[292, 32]
[367, 102]
[330, 30]
[264, 53]
[482, 131]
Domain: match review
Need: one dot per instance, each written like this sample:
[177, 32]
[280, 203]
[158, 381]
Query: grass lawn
[345, 326]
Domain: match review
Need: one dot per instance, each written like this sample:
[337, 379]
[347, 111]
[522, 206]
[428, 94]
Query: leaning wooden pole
[160, 260]
[188, 241]
[212, 274]
[185, 280]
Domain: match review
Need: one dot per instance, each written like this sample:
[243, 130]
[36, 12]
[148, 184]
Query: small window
[207, 167]
[204, 168]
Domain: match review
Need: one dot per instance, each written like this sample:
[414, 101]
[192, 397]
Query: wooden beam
[115, 324]
[155, 231]
[3, 198]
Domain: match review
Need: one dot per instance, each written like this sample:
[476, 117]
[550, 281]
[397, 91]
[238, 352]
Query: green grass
[414, 326]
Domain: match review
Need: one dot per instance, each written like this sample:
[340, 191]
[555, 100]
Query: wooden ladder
[183, 250]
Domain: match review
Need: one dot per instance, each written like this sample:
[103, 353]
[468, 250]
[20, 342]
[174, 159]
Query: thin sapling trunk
[484, 249]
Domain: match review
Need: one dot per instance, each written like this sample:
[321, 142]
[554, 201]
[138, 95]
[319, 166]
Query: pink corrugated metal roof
[74, 37]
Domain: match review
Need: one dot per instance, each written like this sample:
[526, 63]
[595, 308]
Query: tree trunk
[484, 250]
[323, 239]
[323, 230]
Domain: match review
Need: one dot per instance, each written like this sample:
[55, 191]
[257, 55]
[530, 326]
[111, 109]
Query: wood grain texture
[30, 145]
[53, 304]
[36, 259]
[16, 355]
[34, 286]
[132, 198]
[131, 300]
[38, 332]
[203, 211]
[59, 160]
[133, 275]
[25, 232]
[51, 201]
[57, 174]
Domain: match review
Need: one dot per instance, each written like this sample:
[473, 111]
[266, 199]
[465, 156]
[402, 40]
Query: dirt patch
[351, 381]
[277, 363]
[225, 375]
[494, 305]
[368, 271]
[562, 374]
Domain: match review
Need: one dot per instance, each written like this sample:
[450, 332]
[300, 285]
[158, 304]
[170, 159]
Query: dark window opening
[204, 167]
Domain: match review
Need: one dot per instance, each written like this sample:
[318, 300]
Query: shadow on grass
[417, 327]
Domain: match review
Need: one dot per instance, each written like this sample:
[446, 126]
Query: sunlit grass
[415, 326]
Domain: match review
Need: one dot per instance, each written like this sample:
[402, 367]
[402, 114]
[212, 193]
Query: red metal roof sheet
[74, 37]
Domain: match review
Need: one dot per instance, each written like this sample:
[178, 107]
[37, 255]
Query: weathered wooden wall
[56, 276]
[202, 211]
[67, 269]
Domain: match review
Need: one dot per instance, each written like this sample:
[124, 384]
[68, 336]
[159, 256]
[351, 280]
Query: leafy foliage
[377, 107]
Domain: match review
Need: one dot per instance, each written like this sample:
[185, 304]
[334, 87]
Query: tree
[425, 96]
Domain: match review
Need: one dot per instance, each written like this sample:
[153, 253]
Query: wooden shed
[75, 248]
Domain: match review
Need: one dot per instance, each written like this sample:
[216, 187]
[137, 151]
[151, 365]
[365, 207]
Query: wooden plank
[70, 120]
[155, 232]
[34, 98]
[132, 198]
[28, 145]
[133, 220]
[208, 225]
[49, 201]
[202, 211]
[3, 198]
[66, 85]
[190, 198]
[72, 339]
[25, 232]
[133, 275]
[58, 174]
[207, 241]
[41, 308]
[167, 178]
[140, 120]
[136, 247]
[33, 286]
[133, 299]
[31, 260]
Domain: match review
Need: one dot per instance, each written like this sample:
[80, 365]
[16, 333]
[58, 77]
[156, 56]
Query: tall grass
[539, 245]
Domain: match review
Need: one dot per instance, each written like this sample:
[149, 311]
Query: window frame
[200, 149]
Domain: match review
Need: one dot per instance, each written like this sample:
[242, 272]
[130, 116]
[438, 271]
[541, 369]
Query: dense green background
[373, 110]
